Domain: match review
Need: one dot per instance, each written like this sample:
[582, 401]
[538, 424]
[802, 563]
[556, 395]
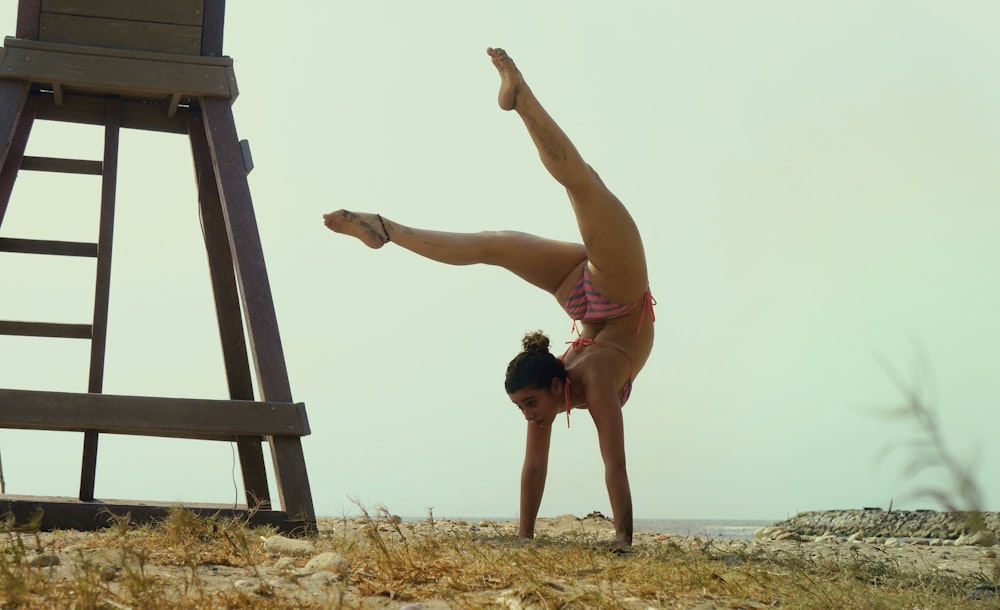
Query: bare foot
[365, 227]
[510, 78]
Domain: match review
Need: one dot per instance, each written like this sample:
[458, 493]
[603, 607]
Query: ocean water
[705, 528]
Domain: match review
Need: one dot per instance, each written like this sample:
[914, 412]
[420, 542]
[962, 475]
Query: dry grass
[194, 563]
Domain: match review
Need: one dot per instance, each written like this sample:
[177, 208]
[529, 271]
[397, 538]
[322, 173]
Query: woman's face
[540, 405]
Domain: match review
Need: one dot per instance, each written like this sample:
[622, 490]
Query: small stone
[45, 560]
[324, 578]
[288, 546]
[660, 538]
[411, 607]
[248, 585]
[990, 554]
[856, 537]
[332, 562]
[936, 542]
[873, 540]
[284, 564]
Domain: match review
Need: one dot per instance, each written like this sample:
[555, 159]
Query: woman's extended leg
[542, 262]
[614, 247]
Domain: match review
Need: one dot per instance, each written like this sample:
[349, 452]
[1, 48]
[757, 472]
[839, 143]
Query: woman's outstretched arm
[536, 463]
[606, 412]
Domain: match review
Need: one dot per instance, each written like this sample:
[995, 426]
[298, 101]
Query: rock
[45, 560]
[982, 538]
[288, 546]
[252, 585]
[324, 578]
[936, 542]
[891, 542]
[328, 561]
[887, 524]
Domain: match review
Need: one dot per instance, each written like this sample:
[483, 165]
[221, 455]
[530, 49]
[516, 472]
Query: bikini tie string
[647, 306]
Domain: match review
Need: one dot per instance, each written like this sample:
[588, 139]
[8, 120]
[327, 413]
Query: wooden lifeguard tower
[152, 65]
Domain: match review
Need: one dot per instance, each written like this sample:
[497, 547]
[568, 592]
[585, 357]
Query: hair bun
[535, 341]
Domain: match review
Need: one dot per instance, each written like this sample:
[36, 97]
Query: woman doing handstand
[602, 284]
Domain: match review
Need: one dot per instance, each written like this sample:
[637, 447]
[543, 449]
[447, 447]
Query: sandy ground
[302, 568]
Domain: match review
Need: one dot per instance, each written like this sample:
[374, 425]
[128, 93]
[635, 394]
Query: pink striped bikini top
[586, 304]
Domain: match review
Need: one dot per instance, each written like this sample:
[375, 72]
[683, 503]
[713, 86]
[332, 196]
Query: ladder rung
[46, 329]
[65, 166]
[55, 248]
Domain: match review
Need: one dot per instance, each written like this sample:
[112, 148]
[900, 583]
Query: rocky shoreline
[877, 525]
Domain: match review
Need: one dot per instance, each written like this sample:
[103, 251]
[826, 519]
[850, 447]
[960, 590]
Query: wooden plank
[120, 34]
[248, 253]
[144, 415]
[89, 110]
[102, 290]
[258, 305]
[198, 60]
[62, 166]
[28, 12]
[48, 247]
[17, 114]
[227, 308]
[61, 513]
[88, 469]
[45, 329]
[121, 76]
[187, 12]
[213, 28]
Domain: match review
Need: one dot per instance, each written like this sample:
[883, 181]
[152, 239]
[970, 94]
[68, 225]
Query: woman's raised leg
[612, 241]
[544, 263]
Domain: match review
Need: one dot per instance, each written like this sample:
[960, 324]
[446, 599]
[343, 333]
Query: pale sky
[817, 188]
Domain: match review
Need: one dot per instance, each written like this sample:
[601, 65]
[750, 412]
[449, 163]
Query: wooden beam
[28, 12]
[227, 307]
[121, 33]
[177, 417]
[52, 513]
[183, 12]
[45, 329]
[102, 285]
[213, 28]
[258, 305]
[89, 110]
[142, 75]
[17, 114]
[62, 166]
[49, 247]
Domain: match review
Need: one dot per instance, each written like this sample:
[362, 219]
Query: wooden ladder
[157, 66]
[97, 330]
